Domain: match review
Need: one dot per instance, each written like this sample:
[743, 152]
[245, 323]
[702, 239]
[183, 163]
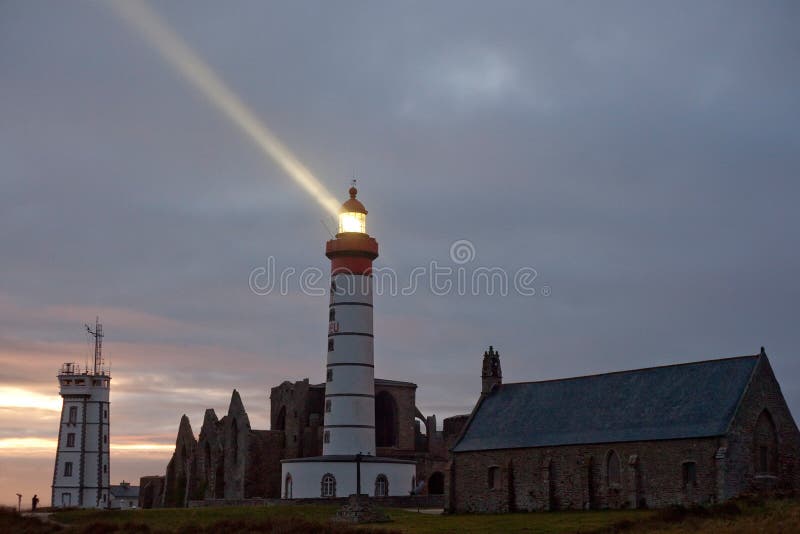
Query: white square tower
[81, 473]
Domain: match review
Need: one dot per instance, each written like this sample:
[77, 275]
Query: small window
[330, 344]
[494, 477]
[68, 469]
[105, 439]
[328, 405]
[73, 414]
[332, 315]
[763, 459]
[328, 486]
[105, 469]
[105, 414]
[104, 497]
[326, 437]
[330, 375]
[333, 286]
[689, 474]
[381, 486]
[71, 439]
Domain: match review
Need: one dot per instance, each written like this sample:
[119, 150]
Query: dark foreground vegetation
[741, 516]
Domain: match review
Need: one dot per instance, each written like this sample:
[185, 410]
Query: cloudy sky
[643, 158]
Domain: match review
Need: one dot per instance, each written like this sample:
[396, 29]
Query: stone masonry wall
[575, 477]
[739, 456]
[263, 474]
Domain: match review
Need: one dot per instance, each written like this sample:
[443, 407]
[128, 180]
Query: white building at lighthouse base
[335, 476]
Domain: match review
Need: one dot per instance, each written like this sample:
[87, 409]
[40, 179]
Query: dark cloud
[643, 159]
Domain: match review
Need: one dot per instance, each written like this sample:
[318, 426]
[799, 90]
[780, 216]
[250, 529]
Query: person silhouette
[34, 503]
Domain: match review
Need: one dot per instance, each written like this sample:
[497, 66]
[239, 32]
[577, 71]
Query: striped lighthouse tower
[350, 378]
[348, 465]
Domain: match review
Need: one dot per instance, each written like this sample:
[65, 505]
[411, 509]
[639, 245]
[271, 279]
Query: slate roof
[689, 400]
[124, 491]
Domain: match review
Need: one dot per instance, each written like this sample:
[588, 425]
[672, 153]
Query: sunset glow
[13, 397]
[37, 445]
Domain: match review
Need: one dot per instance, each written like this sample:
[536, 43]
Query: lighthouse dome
[352, 204]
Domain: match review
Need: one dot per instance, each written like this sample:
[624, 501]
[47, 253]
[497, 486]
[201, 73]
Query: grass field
[776, 516]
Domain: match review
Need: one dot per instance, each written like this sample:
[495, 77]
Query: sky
[641, 158]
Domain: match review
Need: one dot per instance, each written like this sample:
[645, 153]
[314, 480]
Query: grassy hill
[743, 516]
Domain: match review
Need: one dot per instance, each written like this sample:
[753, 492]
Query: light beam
[139, 16]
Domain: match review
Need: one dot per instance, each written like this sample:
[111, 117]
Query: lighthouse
[350, 371]
[81, 473]
[348, 464]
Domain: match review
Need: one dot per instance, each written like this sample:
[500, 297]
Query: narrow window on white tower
[326, 437]
[330, 345]
[73, 414]
[71, 439]
[329, 377]
[68, 469]
[328, 404]
[105, 439]
[332, 315]
[105, 469]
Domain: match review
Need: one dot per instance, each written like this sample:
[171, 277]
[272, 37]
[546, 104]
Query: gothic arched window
[328, 485]
[493, 479]
[381, 486]
[765, 445]
[612, 469]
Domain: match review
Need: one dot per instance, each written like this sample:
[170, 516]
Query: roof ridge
[630, 370]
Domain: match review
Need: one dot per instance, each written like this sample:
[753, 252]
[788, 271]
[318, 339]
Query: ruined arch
[436, 483]
[219, 478]
[386, 421]
[280, 421]
[207, 461]
[765, 445]
[235, 441]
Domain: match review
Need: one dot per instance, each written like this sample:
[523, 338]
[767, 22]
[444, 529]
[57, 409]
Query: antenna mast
[98, 344]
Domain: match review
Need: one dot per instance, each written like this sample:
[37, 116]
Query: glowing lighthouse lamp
[352, 215]
[348, 464]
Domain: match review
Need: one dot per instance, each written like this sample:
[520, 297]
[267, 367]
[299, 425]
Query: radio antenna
[97, 333]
